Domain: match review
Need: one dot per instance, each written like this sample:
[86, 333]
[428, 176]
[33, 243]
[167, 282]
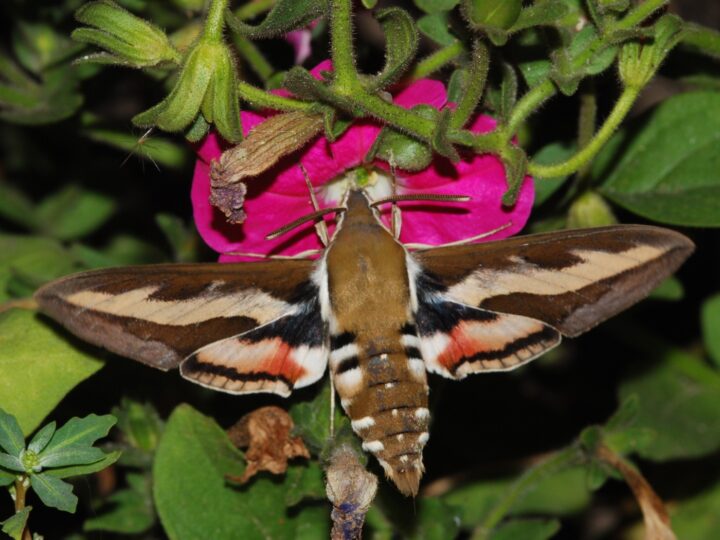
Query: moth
[379, 315]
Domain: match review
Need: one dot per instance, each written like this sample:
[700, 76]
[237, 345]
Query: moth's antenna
[320, 226]
[304, 219]
[442, 197]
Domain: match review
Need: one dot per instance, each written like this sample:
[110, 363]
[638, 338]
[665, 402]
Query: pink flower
[280, 195]
[300, 41]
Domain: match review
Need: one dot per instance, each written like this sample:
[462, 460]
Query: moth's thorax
[374, 356]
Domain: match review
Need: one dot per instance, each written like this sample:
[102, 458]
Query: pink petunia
[280, 195]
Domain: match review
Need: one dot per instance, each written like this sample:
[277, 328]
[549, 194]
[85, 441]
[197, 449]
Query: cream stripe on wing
[531, 279]
[137, 303]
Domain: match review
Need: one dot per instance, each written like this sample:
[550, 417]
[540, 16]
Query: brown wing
[572, 279]
[161, 314]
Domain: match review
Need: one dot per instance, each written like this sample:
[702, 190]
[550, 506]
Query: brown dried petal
[655, 515]
[264, 146]
[266, 434]
[230, 200]
[351, 490]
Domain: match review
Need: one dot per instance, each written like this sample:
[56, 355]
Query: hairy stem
[261, 99]
[341, 48]
[215, 21]
[437, 60]
[527, 105]
[574, 163]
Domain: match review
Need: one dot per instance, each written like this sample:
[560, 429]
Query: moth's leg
[302, 255]
[332, 406]
[420, 247]
[395, 212]
[320, 226]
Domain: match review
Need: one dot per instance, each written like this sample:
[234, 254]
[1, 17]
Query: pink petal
[300, 40]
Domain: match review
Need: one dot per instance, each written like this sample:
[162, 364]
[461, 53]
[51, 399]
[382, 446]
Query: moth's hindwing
[162, 314]
[571, 280]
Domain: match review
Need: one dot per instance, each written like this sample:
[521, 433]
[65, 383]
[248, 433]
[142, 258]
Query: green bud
[207, 85]
[590, 210]
[495, 14]
[128, 40]
[402, 150]
[30, 460]
[638, 63]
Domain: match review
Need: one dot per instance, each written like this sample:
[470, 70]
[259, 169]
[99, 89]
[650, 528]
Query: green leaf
[401, 43]
[78, 432]
[540, 14]
[12, 439]
[710, 321]
[304, 481]
[155, 149]
[437, 520]
[285, 15]
[6, 478]
[42, 438]
[78, 470]
[15, 206]
[670, 290]
[73, 455]
[41, 362]
[140, 423]
[668, 170]
[128, 511]
[547, 155]
[54, 492]
[42, 258]
[561, 493]
[312, 418]
[436, 6]
[436, 27]
[192, 460]
[12, 463]
[15, 524]
[698, 518]
[182, 238]
[527, 529]
[73, 212]
[679, 399]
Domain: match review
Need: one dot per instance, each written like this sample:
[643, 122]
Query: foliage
[612, 106]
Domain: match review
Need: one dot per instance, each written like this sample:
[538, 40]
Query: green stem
[395, 115]
[573, 164]
[253, 9]
[215, 21]
[341, 48]
[586, 122]
[702, 39]
[474, 86]
[562, 460]
[257, 61]
[528, 104]
[437, 60]
[261, 99]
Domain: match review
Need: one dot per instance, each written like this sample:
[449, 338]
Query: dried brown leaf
[265, 433]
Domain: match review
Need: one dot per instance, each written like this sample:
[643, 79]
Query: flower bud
[207, 85]
[590, 210]
[638, 62]
[495, 14]
[128, 40]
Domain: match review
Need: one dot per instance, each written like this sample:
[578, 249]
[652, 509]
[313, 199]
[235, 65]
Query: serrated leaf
[79, 433]
[527, 529]
[128, 511]
[285, 15]
[194, 457]
[710, 321]
[679, 399]
[15, 524]
[668, 171]
[42, 438]
[78, 470]
[36, 358]
[73, 212]
[12, 439]
[401, 43]
[54, 492]
[43, 258]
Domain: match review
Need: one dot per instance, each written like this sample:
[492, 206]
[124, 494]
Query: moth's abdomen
[386, 397]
